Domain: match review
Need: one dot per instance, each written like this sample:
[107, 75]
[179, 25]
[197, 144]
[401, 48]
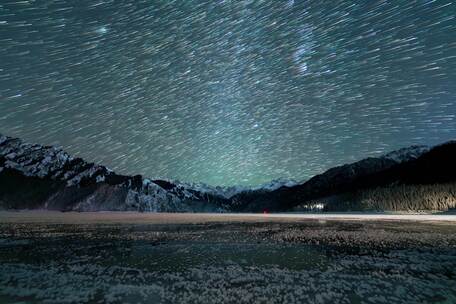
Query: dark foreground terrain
[166, 258]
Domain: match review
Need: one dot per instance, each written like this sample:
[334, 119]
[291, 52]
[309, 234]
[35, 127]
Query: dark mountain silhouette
[34, 176]
[340, 184]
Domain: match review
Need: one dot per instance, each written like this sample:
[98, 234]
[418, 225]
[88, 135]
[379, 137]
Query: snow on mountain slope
[109, 190]
[35, 176]
[49, 162]
[230, 191]
[407, 154]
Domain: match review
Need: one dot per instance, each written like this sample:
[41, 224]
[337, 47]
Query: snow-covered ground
[50, 257]
[176, 218]
[53, 257]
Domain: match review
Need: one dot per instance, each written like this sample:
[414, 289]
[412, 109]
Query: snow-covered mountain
[407, 154]
[88, 186]
[49, 162]
[35, 176]
[416, 165]
[230, 191]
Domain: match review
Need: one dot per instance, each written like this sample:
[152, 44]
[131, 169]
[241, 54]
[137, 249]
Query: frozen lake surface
[37, 216]
[49, 257]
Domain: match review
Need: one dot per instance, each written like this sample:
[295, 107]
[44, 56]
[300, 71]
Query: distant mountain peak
[407, 154]
[36, 176]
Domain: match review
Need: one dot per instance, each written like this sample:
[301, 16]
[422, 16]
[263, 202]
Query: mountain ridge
[34, 176]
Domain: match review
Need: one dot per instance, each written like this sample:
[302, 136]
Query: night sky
[228, 92]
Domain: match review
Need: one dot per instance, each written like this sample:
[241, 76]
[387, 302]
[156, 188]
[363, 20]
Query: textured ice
[228, 263]
[399, 277]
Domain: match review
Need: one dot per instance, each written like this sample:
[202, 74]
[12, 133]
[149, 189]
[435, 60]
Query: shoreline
[130, 217]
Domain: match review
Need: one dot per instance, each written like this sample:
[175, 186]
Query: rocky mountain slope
[34, 176]
[341, 188]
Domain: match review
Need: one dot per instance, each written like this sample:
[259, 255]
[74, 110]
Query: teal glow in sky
[228, 92]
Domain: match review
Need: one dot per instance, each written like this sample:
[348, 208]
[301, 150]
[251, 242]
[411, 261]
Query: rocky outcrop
[34, 176]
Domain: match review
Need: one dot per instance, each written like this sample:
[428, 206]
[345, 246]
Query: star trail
[228, 92]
